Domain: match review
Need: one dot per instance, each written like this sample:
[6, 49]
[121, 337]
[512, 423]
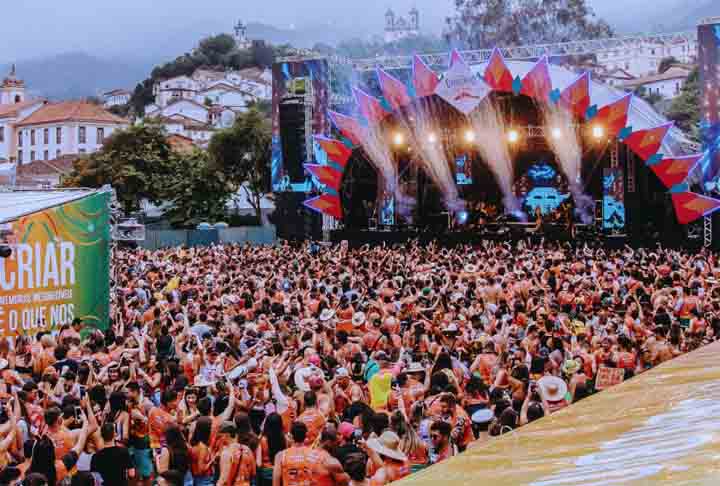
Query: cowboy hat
[470, 268]
[570, 367]
[415, 368]
[388, 445]
[358, 319]
[482, 416]
[326, 315]
[552, 388]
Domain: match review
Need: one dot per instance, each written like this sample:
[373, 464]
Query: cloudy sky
[35, 28]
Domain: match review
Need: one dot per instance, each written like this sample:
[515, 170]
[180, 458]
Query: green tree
[684, 110]
[480, 24]
[666, 63]
[195, 190]
[134, 161]
[242, 154]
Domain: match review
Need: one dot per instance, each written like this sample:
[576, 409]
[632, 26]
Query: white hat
[552, 388]
[482, 416]
[342, 373]
[470, 268]
[358, 319]
[326, 315]
[388, 445]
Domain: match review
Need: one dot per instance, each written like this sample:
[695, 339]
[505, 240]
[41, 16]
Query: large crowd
[309, 364]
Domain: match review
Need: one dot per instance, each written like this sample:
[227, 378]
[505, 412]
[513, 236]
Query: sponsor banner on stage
[613, 199]
[461, 88]
[59, 268]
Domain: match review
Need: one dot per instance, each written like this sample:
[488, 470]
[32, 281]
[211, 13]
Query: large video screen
[709, 45]
[296, 84]
[613, 199]
[463, 170]
[541, 186]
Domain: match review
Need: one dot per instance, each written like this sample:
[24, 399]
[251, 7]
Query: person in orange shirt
[237, 461]
[299, 464]
[311, 417]
[161, 417]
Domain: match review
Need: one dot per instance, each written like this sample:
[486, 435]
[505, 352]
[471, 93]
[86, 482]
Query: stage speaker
[292, 137]
[292, 220]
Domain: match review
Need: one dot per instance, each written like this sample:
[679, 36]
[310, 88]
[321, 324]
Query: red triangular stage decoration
[497, 74]
[326, 175]
[614, 116]
[690, 206]
[674, 171]
[336, 151]
[370, 107]
[326, 204]
[425, 80]
[349, 127]
[537, 83]
[394, 90]
[576, 97]
[456, 57]
[646, 143]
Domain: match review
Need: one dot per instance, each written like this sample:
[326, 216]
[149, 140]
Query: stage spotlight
[598, 132]
[513, 136]
[557, 133]
[432, 138]
[398, 139]
[469, 136]
[462, 217]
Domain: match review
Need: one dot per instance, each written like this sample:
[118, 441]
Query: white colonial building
[116, 97]
[69, 127]
[194, 106]
[398, 28]
[644, 58]
[667, 84]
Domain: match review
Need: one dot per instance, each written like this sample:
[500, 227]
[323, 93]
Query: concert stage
[505, 232]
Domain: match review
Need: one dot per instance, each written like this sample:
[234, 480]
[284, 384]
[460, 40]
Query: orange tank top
[298, 466]
[243, 466]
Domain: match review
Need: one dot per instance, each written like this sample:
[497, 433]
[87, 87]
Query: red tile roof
[13, 109]
[62, 165]
[72, 111]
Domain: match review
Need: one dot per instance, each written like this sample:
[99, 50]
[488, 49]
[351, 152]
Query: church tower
[12, 89]
[389, 20]
[415, 19]
[241, 36]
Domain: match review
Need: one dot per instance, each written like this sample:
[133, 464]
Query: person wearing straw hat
[554, 391]
[387, 462]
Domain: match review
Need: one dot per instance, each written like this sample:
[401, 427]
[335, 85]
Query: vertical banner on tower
[295, 85]
[709, 61]
[613, 199]
[59, 269]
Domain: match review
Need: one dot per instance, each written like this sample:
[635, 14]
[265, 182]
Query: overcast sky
[35, 28]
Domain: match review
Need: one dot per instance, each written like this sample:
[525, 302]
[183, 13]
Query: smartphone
[78, 413]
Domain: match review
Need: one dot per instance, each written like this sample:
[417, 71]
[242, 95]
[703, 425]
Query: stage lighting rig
[469, 136]
[398, 139]
[513, 136]
[598, 132]
[557, 133]
[432, 138]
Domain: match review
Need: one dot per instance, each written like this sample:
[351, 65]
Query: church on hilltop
[398, 28]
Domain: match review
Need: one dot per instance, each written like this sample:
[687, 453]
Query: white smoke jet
[489, 126]
[563, 139]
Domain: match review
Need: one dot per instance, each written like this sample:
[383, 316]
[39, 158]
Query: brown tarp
[660, 428]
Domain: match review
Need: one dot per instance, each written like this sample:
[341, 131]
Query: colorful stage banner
[349, 127]
[425, 80]
[59, 269]
[326, 175]
[326, 204]
[646, 143]
[336, 151]
[576, 97]
[672, 172]
[537, 83]
[461, 88]
[613, 199]
[394, 91]
[370, 107]
[497, 74]
[614, 117]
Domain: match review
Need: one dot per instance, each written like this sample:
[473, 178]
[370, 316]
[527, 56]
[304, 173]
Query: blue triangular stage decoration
[591, 112]
[684, 187]
[517, 85]
[655, 159]
[555, 95]
[624, 133]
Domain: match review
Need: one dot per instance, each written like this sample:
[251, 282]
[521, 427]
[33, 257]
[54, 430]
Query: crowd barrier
[255, 235]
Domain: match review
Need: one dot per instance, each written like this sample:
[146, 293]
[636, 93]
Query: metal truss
[631, 179]
[707, 231]
[563, 49]
[614, 155]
